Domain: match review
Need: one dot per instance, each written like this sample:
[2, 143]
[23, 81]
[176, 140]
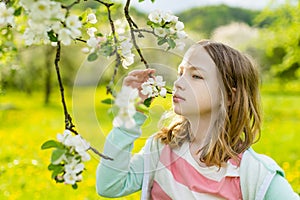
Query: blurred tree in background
[280, 41]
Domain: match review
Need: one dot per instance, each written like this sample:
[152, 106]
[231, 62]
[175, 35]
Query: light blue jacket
[261, 178]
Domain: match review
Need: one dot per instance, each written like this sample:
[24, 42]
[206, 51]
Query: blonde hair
[239, 123]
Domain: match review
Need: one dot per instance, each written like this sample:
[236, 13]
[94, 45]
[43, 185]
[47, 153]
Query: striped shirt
[179, 176]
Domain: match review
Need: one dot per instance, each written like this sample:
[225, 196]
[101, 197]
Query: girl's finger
[128, 80]
[141, 73]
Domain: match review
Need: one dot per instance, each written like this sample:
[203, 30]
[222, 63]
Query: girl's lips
[177, 98]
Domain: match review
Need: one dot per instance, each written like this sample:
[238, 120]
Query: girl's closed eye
[195, 76]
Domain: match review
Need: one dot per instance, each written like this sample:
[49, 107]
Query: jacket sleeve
[124, 174]
[280, 189]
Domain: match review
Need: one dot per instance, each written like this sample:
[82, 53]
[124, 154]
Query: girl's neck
[199, 128]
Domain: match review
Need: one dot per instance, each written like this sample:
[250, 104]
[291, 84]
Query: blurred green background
[31, 112]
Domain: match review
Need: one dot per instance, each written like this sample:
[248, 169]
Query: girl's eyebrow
[193, 68]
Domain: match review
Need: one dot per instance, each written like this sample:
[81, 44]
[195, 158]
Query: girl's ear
[231, 97]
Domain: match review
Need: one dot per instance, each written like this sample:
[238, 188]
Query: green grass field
[25, 123]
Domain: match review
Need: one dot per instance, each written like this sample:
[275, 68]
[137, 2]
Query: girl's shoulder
[256, 174]
[256, 161]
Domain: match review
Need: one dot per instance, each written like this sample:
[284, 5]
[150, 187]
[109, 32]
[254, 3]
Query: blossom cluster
[154, 87]
[126, 102]
[46, 19]
[167, 28]
[68, 157]
[106, 46]
[6, 15]
[127, 57]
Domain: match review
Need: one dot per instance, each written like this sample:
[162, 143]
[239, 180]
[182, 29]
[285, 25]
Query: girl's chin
[177, 110]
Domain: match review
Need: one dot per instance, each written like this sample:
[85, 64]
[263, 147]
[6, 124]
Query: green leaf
[162, 41]
[149, 23]
[57, 154]
[108, 101]
[18, 11]
[92, 57]
[147, 102]
[99, 34]
[52, 36]
[58, 170]
[171, 43]
[75, 186]
[51, 144]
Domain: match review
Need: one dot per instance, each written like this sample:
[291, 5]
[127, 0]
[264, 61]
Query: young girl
[205, 153]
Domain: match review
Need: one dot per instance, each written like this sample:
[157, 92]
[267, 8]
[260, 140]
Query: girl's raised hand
[136, 78]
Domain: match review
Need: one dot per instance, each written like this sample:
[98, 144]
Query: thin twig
[131, 26]
[71, 5]
[100, 154]
[109, 89]
[145, 31]
[81, 40]
[105, 3]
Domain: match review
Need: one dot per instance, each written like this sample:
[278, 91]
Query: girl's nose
[179, 83]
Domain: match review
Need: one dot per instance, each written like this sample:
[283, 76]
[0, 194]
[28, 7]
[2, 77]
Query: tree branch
[68, 125]
[131, 26]
[68, 120]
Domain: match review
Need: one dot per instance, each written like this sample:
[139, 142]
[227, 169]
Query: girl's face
[197, 89]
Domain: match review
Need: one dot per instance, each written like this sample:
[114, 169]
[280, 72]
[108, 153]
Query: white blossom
[159, 81]
[85, 50]
[155, 16]
[166, 16]
[91, 18]
[26, 3]
[73, 22]
[56, 12]
[123, 119]
[36, 33]
[93, 42]
[40, 10]
[62, 137]
[125, 45]
[127, 57]
[120, 26]
[64, 35]
[80, 144]
[126, 102]
[91, 31]
[179, 26]
[161, 32]
[70, 178]
[146, 89]
[127, 60]
[163, 92]
[74, 167]
[85, 156]
[181, 34]
[6, 15]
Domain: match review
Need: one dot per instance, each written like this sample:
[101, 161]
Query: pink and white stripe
[179, 175]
